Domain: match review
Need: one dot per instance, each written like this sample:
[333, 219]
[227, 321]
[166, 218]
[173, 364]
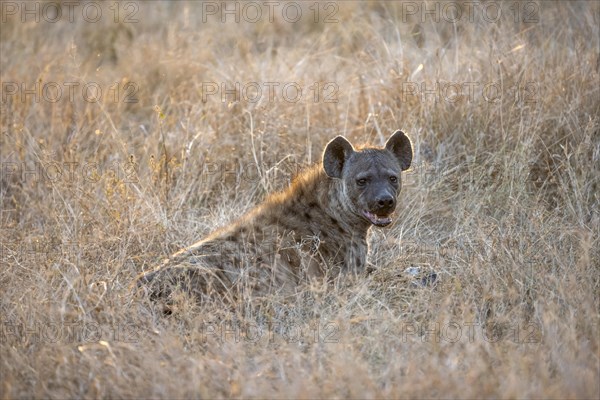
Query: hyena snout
[382, 205]
[385, 204]
[380, 208]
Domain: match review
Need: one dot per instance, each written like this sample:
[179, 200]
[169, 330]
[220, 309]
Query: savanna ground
[120, 145]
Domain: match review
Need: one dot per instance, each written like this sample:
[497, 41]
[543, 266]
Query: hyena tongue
[377, 220]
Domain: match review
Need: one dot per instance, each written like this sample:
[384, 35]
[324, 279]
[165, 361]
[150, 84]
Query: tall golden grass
[502, 201]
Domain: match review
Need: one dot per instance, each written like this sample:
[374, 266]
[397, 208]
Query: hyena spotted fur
[316, 228]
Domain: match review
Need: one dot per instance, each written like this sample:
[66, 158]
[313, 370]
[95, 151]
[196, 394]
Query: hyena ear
[399, 145]
[336, 153]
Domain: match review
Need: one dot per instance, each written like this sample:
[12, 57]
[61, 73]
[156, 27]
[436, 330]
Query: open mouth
[376, 219]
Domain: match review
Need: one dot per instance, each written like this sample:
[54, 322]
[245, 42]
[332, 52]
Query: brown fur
[316, 228]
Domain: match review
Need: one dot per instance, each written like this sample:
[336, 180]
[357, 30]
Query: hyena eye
[361, 182]
[393, 179]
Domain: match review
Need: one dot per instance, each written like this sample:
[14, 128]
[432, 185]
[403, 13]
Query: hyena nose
[385, 202]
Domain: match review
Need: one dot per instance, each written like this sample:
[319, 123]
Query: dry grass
[502, 201]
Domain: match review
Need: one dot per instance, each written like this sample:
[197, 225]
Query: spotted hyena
[315, 229]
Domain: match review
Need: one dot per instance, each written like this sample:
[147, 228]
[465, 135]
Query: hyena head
[370, 176]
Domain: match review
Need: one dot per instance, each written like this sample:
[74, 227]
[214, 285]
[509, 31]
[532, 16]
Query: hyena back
[316, 228]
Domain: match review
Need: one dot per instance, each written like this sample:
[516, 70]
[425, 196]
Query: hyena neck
[315, 190]
[336, 204]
